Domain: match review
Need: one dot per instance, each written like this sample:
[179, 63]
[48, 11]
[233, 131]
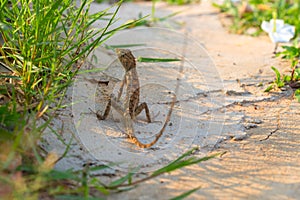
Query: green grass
[44, 47]
[258, 11]
[144, 21]
[265, 10]
[182, 2]
[176, 2]
[291, 53]
[45, 44]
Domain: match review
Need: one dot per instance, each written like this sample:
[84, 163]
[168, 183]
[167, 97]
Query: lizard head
[126, 58]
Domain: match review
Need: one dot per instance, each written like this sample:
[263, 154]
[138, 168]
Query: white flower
[278, 31]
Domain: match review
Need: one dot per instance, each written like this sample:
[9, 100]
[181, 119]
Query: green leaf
[100, 167]
[10, 120]
[169, 16]
[30, 169]
[297, 95]
[61, 175]
[121, 180]
[287, 78]
[186, 194]
[278, 80]
[5, 135]
[277, 74]
[95, 183]
[290, 51]
[294, 62]
[181, 162]
[217, 5]
[9, 76]
[269, 88]
[297, 74]
[154, 60]
[122, 46]
[75, 197]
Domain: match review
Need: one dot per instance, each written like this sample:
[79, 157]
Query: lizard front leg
[105, 92]
[121, 88]
[106, 112]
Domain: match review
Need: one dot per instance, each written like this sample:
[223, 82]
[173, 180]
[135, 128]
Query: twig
[271, 133]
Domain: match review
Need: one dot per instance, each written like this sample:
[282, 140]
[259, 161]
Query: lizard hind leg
[140, 108]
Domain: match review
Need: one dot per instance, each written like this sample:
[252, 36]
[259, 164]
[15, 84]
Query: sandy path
[254, 167]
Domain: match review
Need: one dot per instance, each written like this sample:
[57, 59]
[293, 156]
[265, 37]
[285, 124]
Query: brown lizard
[132, 106]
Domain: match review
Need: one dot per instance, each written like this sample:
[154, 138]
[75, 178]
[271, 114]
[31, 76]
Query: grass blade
[186, 194]
[121, 180]
[269, 88]
[122, 46]
[155, 60]
[297, 95]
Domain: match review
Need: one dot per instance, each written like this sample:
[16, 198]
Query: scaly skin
[131, 104]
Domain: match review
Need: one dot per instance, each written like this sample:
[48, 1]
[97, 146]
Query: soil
[260, 132]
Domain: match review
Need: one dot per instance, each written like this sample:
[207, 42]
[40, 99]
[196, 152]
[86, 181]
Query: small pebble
[240, 137]
[250, 125]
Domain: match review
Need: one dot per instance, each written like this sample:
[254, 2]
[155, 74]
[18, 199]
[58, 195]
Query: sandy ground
[221, 107]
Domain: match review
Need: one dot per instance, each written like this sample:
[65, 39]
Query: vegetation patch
[253, 14]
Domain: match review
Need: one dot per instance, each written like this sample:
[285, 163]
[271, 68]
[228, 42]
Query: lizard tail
[142, 145]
